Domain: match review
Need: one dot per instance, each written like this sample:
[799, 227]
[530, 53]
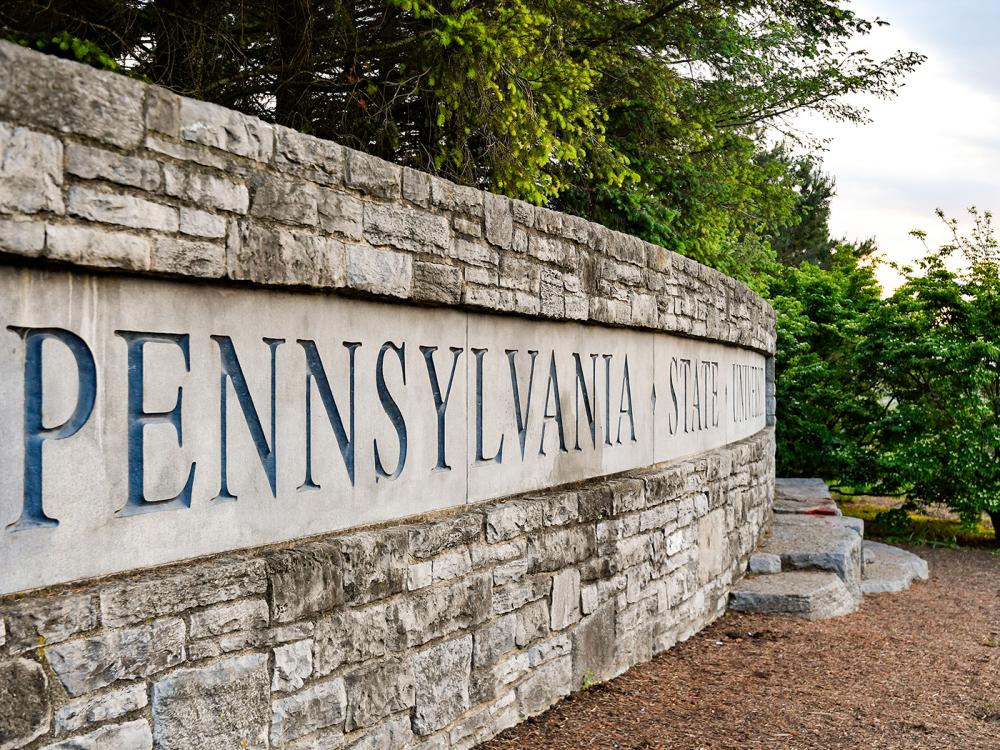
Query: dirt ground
[915, 670]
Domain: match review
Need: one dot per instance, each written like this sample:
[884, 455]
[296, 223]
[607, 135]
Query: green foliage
[649, 116]
[65, 45]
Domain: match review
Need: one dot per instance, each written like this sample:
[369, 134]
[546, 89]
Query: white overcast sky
[937, 144]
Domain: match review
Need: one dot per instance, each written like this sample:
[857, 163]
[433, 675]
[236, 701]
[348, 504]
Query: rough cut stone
[286, 200]
[293, 665]
[305, 580]
[382, 272]
[436, 282]
[188, 257]
[92, 663]
[818, 543]
[202, 224]
[813, 595]
[494, 640]
[431, 538]
[319, 706]
[134, 735]
[341, 214]
[441, 674]
[374, 566]
[270, 255]
[406, 228]
[229, 617]
[355, 635]
[565, 598]
[137, 599]
[82, 712]
[375, 692]
[30, 170]
[310, 157]
[762, 562]
[890, 569]
[69, 97]
[205, 190]
[98, 164]
[46, 622]
[97, 247]
[393, 733]
[373, 175]
[211, 125]
[225, 704]
[594, 658]
[546, 685]
[440, 610]
[22, 237]
[24, 703]
[499, 220]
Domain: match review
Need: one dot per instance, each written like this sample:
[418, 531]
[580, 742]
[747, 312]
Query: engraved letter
[553, 384]
[391, 409]
[589, 400]
[440, 404]
[318, 373]
[522, 418]
[497, 457]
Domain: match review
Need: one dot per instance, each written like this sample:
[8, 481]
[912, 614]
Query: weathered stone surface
[499, 220]
[305, 580]
[440, 610]
[22, 237]
[374, 566]
[377, 691]
[594, 658]
[436, 282]
[382, 272]
[341, 214]
[406, 228]
[228, 618]
[179, 256]
[82, 712]
[546, 685]
[309, 157]
[762, 562]
[557, 549]
[319, 706]
[373, 175]
[137, 599]
[565, 598]
[30, 171]
[284, 200]
[813, 595]
[46, 622]
[211, 125]
[225, 704]
[68, 97]
[202, 224]
[293, 665]
[533, 622]
[713, 545]
[92, 663]
[205, 190]
[494, 640]
[394, 732]
[97, 247]
[508, 520]
[99, 164]
[134, 735]
[24, 703]
[441, 674]
[890, 569]
[431, 538]
[818, 543]
[269, 255]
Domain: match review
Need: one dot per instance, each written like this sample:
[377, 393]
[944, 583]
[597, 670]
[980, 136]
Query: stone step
[804, 496]
[890, 569]
[818, 543]
[813, 595]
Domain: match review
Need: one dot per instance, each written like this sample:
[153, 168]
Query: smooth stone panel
[147, 421]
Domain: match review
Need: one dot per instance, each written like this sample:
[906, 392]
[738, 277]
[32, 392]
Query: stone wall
[436, 632]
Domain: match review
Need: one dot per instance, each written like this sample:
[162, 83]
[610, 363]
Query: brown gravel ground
[915, 670]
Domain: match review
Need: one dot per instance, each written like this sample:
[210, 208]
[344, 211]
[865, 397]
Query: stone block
[341, 214]
[134, 735]
[305, 580]
[565, 598]
[317, 707]
[508, 520]
[270, 255]
[204, 189]
[406, 228]
[392, 733]
[45, 622]
[561, 509]
[510, 572]
[163, 111]
[420, 575]
[97, 709]
[441, 610]
[451, 565]
[72, 98]
[98, 164]
[202, 224]
[97, 247]
[24, 702]
[763, 562]
[225, 129]
[282, 199]
[383, 272]
[532, 623]
[188, 257]
[374, 565]
[124, 210]
[20, 237]
[546, 685]
[355, 635]
[153, 595]
[555, 550]
[114, 655]
[436, 282]
[441, 674]
[417, 187]
[377, 691]
[494, 640]
[499, 220]
[225, 618]
[30, 170]
[372, 175]
[225, 704]
[433, 537]
[309, 157]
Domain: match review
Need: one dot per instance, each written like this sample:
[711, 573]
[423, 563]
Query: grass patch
[920, 529]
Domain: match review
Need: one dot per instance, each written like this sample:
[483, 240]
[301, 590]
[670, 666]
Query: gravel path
[914, 670]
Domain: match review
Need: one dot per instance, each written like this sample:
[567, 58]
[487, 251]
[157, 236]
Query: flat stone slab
[856, 525]
[818, 543]
[806, 496]
[813, 595]
[890, 569]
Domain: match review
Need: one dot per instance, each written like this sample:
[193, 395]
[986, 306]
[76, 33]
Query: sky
[935, 145]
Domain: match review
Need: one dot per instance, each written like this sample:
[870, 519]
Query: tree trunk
[995, 518]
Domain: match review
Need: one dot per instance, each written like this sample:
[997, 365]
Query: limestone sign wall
[220, 337]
